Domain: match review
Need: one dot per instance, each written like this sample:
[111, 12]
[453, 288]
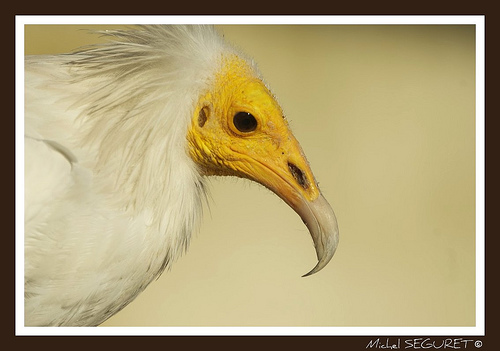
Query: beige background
[386, 116]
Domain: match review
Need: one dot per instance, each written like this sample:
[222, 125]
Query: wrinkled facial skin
[223, 146]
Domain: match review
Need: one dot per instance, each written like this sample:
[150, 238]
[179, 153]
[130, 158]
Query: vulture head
[239, 129]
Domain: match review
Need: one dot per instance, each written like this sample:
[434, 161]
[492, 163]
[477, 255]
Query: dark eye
[245, 122]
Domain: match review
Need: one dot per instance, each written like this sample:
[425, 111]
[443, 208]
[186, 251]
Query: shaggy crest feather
[123, 109]
[145, 83]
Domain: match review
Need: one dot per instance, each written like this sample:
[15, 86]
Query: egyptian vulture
[119, 139]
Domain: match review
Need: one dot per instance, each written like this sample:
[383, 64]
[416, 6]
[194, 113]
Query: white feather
[111, 194]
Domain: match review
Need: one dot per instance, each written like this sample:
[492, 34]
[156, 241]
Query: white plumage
[112, 195]
[107, 210]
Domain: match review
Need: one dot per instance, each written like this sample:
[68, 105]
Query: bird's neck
[136, 122]
[142, 165]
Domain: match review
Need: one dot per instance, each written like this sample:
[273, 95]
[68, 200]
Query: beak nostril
[298, 175]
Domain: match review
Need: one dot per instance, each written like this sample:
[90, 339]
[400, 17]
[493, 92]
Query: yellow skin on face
[270, 154]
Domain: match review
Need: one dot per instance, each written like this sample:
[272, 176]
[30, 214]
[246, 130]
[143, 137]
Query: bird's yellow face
[238, 129]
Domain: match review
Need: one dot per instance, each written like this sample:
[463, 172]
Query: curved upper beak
[290, 177]
[320, 219]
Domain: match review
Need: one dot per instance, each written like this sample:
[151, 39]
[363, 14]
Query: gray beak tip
[322, 224]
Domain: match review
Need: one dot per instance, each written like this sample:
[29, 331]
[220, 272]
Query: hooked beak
[320, 219]
[293, 181]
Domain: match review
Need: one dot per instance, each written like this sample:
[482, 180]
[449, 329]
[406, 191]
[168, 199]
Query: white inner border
[478, 21]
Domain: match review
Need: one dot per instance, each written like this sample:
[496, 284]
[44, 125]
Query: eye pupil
[245, 122]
